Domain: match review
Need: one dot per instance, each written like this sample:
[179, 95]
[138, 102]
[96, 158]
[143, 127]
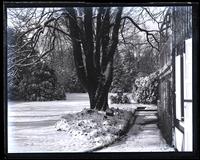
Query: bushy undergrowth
[146, 89]
[38, 84]
[120, 98]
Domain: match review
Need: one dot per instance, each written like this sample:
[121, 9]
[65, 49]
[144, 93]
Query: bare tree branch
[143, 30]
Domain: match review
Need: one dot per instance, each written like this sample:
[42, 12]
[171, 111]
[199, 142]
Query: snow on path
[31, 128]
[144, 136]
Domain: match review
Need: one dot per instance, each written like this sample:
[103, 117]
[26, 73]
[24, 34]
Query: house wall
[165, 112]
[165, 103]
[182, 32]
[188, 108]
[176, 130]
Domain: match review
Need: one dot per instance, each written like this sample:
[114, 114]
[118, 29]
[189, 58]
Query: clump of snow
[91, 128]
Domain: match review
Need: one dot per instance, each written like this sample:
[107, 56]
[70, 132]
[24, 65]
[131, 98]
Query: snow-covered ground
[32, 128]
[143, 136]
[91, 129]
[31, 125]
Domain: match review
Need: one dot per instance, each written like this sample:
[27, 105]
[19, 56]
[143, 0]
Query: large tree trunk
[99, 99]
[99, 94]
[93, 52]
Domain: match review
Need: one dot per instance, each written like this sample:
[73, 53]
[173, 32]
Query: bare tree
[94, 56]
[93, 34]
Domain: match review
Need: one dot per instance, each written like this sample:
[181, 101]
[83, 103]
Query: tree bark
[99, 102]
[93, 53]
[99, 94]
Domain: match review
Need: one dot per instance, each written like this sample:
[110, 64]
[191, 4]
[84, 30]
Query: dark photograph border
[117, 155]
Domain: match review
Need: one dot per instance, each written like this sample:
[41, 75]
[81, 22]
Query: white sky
[149, 24]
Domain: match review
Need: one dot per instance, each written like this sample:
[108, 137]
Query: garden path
[144, 135]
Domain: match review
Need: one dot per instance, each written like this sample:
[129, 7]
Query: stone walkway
[144, 135]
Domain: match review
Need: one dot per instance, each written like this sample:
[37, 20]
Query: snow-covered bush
[146, 89]
[91, 128]
[119, 98]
